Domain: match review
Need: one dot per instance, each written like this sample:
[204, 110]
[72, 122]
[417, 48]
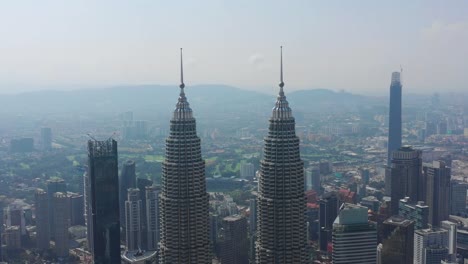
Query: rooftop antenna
[182, 85]
[91, 136]
[112, 136]
[281, 84]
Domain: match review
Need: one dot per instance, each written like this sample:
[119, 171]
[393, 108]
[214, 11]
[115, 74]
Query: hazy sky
[351, 45]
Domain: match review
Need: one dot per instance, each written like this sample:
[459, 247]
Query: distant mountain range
[207, 100]
[157, 97]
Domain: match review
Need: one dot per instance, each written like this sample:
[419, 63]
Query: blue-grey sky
[351, 45]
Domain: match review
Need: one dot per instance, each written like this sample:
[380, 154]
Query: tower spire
[183, 110]
[281, 109]
[281, 84]
[182, 85]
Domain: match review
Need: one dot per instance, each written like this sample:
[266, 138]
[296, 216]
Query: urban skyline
[128, 175]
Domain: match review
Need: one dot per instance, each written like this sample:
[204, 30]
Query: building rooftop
[139, 255]
[233, 218]
[398, 221]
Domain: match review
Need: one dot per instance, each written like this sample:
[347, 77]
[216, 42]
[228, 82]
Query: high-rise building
[430, 246]
[452, 237]
[132, 219]
[46, 138]
[397, 241]
[365, 175]
[142, 183]
[12, 237]
[354, 236]
[152, 216]
[406, 171]
[103, 200]
[61, 223]
[457, 201]
[127, 180]
[313, 179]
[76, 209]
[328, 211]
[394, 126]
[282, 228]
[418, 212]
[184, 218]
[234, 244]
[247, 170]
[54, 185]
[15, 214]
[42, 219]
[437, 177]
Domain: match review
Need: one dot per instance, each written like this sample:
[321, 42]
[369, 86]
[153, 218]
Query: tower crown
[281, 109]
[182, 110]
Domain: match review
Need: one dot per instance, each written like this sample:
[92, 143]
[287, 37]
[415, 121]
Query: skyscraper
[54, 185]
[61, 223]
[132, 219]
[282, 228]
[46, 138]
[42, 219]
[394, 126]
[76, 209]
[328, 211]
[457, 201]
[103, 200]
[234, 244]
[142, 183]
[452, 237]
[152, 217]
[127, 180]
[398, 239]
[437, 177]
[406, 169]
[184, 201]
[313, 179]
[354, 236]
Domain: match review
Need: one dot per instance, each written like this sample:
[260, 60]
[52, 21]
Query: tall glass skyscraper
[406, 176]
[42, 217]
[394, 125]
[132, 219]
[127, 180]
[281, 228]
[102, 194]
[184, 201]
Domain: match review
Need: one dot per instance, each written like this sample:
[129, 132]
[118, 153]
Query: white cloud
[440, 29]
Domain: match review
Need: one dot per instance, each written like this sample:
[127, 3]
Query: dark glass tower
[103, 200]
[406, 176]
[437, 177]
[328, 211]
[398, 240]
[127, 180]
[394, 126]
[282, 229]
[184, 201]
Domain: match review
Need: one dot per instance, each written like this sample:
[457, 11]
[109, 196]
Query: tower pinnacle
[281, 84]
[183, 110]
[182, 85]
[281, 109]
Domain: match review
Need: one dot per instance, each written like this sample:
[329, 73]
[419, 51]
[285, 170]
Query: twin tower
[281, 225]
